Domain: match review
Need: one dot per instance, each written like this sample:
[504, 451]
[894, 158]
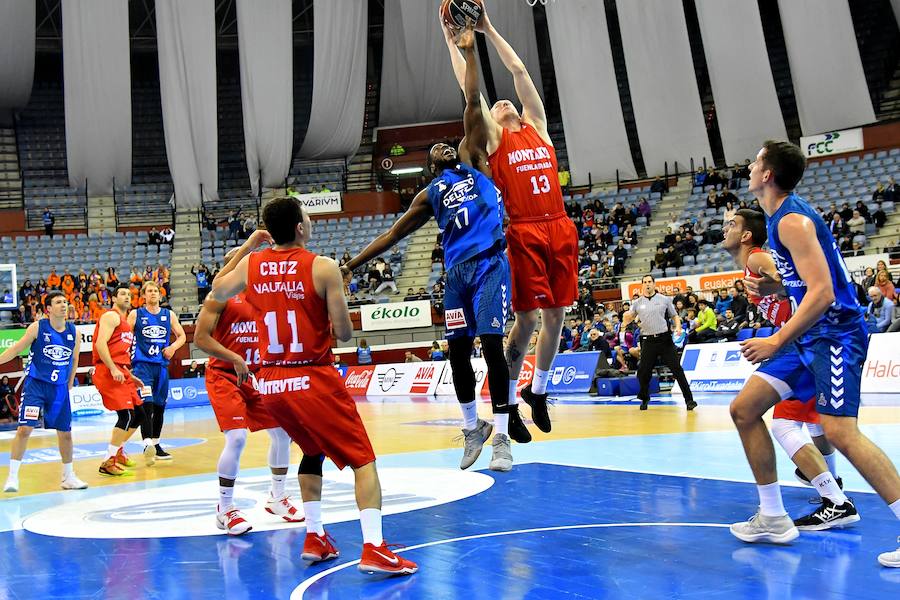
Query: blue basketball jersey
[468, 209]
[151, 335]
[845, 313]
[50, 358]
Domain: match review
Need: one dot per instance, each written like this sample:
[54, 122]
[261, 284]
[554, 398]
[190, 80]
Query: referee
[656, 340]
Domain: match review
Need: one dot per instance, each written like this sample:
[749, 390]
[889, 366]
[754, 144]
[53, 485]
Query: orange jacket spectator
[95, 309]
[53, 279]
[136, 300]
[68, 285]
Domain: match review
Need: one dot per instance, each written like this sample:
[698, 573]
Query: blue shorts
[156, 376]
[787, 373]
[836, 361]
[477, 296]
[47, 402]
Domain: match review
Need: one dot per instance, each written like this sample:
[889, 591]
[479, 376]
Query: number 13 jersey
[291, 318]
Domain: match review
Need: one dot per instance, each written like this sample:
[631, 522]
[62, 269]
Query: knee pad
[791, 435]
[279, 448]
[311, 465]
[236, 439]
[124, 419]
[815, 429]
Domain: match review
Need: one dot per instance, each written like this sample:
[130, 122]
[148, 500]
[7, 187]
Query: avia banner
[395, 315]
[700, 283]
[406, 379]
[833, 142]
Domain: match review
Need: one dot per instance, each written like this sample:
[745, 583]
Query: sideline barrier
[86, 402]
[722, 367]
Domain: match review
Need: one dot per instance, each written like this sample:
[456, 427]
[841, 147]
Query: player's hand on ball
[241, 369]
[466, 39]
[757, 350]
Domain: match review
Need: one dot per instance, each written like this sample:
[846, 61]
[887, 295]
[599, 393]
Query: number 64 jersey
[292, 319]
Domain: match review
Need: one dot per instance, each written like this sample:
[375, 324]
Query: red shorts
[795, 410]
[312, 405]
[115, 395]
[236, 407]
[543, 258]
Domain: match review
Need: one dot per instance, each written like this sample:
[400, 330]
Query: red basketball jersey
[526, 172]
[292, 319]
[775, 310]
[119, 342]
[237, 331]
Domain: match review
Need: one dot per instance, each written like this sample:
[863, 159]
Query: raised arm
[532, 105]
[417, 215]
[473, 118]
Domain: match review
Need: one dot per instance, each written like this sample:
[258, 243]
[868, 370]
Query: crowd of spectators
[239, 226]
[88, 293]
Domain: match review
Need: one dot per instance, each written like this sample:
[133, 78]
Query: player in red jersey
[814, 456]
[542, 240]
[228, 333]
[117, 386]
[296, 293]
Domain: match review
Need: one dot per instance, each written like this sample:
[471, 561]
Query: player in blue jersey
[153, 327]
[828, 333]
[45, 393]
[469, 211]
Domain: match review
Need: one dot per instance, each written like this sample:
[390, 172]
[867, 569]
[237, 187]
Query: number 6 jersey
[291, 318]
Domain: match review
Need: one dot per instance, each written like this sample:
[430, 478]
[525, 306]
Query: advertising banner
[715, 368]
[445, 383]
[572, 373]
[87, 337]
[833, 142]
[357, 379]
[8, 337]
[187, 392]
[881, 372]
[405, 379]
[667, 285]
[321, 204]
[85, 401]
[395, 315]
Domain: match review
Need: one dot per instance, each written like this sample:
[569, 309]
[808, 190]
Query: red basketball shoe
[380, 559]
[317, 548]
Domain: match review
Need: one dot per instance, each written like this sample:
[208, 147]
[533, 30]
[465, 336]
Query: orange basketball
[454, 13]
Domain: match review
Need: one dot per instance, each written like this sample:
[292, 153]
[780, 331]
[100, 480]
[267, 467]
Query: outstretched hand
[466, 39]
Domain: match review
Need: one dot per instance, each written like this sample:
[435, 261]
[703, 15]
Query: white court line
[298, 592]
[685, 474]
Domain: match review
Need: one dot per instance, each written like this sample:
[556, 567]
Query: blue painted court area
[541, 531]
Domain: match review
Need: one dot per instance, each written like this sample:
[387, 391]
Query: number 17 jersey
[291, 318]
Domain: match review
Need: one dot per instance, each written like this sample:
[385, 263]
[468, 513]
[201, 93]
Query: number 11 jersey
[291, 318]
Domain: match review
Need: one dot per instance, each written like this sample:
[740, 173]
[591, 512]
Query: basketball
[455, 12]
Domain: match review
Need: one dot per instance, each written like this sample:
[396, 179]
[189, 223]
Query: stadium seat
[763, 332]
[744, 334]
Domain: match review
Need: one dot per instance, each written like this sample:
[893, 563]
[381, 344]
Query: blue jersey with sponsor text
[51, 353]
[468, 209]
[151, 335]
[845, 313]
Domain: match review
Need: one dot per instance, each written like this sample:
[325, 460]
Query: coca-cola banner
[357, 379]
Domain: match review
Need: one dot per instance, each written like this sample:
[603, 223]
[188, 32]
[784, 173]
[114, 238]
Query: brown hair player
[114, 380]
[299, 300]
[542, 240]
[815, 457]
[227, 332]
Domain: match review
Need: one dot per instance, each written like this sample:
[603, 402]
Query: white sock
[226, 496]
[14, 467]
[539, 382]
[370, 521]
[501, 423]
[148, 442]
[154, 441]
[831, 461]
[68, 470]
[513, 384]
[112, 450]
[896, 508]
[827, 487]
[470, 414]
[770, 504]
[278, 485]
[313, 513]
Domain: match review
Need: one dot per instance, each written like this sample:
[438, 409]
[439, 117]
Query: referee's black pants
[660, 346]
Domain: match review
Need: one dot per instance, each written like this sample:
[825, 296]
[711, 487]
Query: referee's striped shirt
[652, 312]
